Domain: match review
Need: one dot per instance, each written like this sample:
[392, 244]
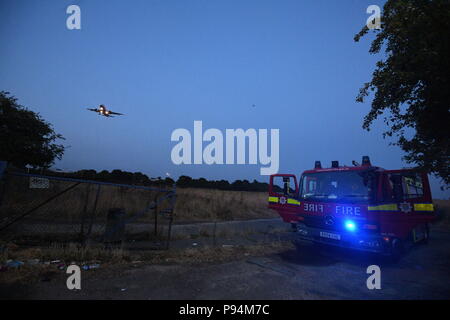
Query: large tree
[25, 138]
[411, 84]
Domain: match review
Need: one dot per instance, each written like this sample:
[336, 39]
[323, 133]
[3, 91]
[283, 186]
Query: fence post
[214, 233]
[93, 211]
[172, 199]
[84, 215]
[156, 214]
[169, 233]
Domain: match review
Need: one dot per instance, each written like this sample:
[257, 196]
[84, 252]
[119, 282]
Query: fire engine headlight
[350, 225]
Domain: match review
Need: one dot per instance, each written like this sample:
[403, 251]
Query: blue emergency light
[350, 225]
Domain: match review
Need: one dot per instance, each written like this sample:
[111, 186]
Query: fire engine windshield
[348, 186]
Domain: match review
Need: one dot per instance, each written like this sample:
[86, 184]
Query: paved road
[310, 273]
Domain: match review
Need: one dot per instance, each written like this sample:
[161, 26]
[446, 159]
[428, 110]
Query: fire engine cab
[361, 206]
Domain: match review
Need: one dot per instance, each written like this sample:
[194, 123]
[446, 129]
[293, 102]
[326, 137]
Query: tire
[397, 249]
[319, 245]
[427, 235]
[301, 246]
[297, 245]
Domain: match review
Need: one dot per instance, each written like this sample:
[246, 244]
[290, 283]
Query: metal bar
[169, 233]
[151, 206]
[172, 198]
[93, 210]
[83, 218]
[88, 181]
[156, 215]
[214, 233]
[39, 206]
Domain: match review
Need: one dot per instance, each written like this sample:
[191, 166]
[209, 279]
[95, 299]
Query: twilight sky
[166, 63]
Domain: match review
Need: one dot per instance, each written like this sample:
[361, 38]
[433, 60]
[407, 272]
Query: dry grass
[191, 204]
[213, 254]
[28, 274]
[118, 260]
[71, 253]
[218, 205]
[65, 253]
[80, 255]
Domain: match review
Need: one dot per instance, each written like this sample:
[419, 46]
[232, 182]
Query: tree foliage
[25, 138]
[411, 84]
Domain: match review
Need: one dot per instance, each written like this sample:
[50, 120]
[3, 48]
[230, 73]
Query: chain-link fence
[47, 209]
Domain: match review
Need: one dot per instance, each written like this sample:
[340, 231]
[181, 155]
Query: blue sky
[167, 63]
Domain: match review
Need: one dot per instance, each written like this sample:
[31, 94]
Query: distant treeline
[138, 178]
[238, 185]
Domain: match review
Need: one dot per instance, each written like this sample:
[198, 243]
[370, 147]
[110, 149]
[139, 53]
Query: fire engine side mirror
[283, 184]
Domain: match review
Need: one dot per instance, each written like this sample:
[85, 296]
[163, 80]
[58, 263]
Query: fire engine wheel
[298, 246]
[319, 245]
[397, 249]
[426, 235]
[425, 230]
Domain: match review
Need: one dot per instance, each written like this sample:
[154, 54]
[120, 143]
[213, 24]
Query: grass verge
[113, 260]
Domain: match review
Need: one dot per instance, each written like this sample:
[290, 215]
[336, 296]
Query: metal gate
[48, 209]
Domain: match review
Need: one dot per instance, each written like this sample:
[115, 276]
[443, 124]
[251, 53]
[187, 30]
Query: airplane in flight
[105, 112]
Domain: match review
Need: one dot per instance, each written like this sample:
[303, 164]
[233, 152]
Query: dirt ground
[281, 272]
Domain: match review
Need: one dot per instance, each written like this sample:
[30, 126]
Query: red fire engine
[361, 206]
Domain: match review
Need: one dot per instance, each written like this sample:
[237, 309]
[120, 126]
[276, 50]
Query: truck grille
[330, 223]
[324, 222]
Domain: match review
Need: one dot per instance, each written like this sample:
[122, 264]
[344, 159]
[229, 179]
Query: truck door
[283, 190]
[406, 203]
[408, 188]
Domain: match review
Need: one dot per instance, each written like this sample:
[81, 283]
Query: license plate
[329, 235]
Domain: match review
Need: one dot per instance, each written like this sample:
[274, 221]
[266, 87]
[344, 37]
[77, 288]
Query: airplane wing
[119, 114]
[90, 109]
